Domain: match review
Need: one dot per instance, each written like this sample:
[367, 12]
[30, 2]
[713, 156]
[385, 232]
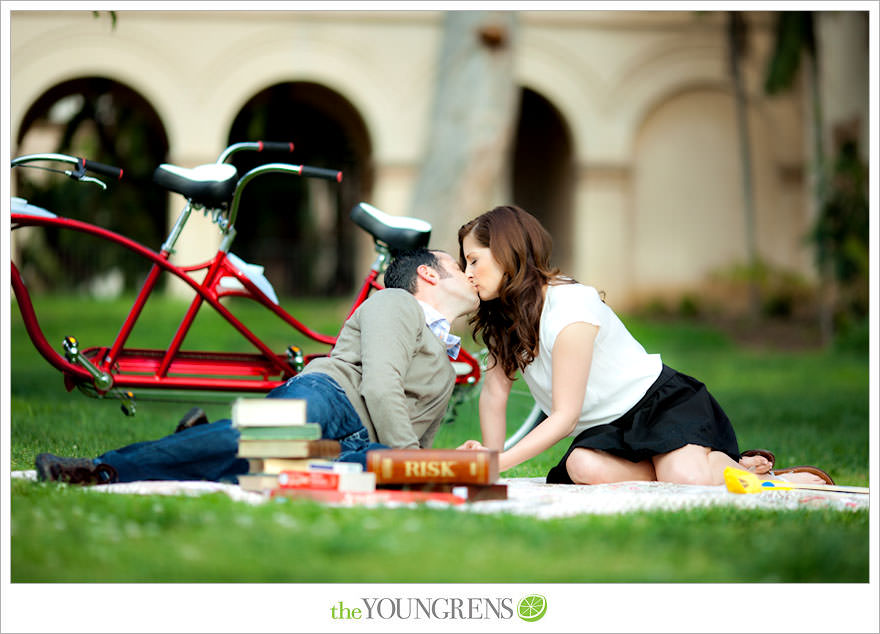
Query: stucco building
[635, 109]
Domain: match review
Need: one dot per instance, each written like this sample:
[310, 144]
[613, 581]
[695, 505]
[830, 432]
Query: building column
[603, 232]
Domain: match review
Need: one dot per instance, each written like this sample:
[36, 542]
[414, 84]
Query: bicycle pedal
[295, 358]
[127, 405]
[71, 348]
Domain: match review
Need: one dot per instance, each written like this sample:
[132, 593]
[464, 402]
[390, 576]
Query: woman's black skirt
[677, 410]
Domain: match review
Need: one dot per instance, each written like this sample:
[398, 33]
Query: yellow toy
[740, 481]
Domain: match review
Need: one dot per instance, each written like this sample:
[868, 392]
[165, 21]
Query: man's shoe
[195, 416]
[73, 470]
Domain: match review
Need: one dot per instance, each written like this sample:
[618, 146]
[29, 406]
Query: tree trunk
[827, 286]
[736, 33]
[796, 39]
[472, 121]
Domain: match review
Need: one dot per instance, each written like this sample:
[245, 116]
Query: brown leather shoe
[816, 471]
[195, 416]
[54, 468]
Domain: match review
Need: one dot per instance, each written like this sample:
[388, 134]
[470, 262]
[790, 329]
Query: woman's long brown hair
[509, 324]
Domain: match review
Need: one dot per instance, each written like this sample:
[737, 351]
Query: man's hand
[471, 444]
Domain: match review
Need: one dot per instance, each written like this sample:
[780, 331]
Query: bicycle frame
[173, 373]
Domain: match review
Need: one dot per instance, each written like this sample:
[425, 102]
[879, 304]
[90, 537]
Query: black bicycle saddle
[210, 185]
[398, 232]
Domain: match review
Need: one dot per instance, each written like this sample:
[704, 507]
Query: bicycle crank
[102, 380]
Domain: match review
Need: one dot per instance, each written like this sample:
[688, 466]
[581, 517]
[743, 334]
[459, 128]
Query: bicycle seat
[21, 206]
[210, 185]
[398, 232]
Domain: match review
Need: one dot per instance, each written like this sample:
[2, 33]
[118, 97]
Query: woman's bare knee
[683, 474]
[582, 466]
[688, 465]
[590, 466]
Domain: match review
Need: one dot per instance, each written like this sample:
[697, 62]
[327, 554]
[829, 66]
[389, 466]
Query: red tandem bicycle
[117, 371]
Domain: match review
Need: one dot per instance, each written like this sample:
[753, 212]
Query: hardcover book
[455, 466]
[287, 448]
[277, 465]
[335, 466]
[470, 492]
[268, 412]
[363, 481]
[369, 498]
[258, 481]
[306, 431]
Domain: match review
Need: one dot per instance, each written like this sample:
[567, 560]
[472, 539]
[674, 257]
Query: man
[386, 383]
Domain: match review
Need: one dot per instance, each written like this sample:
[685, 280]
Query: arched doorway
[298, 229]
[543, 171]
[106, 121]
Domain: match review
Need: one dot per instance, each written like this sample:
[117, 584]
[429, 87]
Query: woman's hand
[503, 457]
[471, 444]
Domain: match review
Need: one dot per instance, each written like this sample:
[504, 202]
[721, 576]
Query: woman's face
[482, 269]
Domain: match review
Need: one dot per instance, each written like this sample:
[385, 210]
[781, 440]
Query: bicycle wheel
[523, 415]
[534, 417]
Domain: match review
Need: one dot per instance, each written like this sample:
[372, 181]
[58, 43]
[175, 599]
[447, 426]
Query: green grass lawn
[808, 407]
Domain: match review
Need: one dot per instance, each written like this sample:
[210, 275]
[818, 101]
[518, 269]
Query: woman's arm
[572, 356]
[493, 406]
[493, 409]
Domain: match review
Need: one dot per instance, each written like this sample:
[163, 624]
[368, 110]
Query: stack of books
[284, 451]
[288, 458]
[406, 476]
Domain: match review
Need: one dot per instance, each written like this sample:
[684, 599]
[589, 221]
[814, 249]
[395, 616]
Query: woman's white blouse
[621, 371]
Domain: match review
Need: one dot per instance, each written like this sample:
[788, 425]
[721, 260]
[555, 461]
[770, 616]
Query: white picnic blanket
[532, 497]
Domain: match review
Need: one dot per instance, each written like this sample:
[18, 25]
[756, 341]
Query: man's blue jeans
[208, 452]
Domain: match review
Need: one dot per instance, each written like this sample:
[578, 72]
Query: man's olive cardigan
[393, 369]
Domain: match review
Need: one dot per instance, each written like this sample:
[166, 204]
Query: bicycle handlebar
[110, 171]
[100, 168]
[302, 170]
[275, 146]
[82, 164]
[320, 172]
[257, 146]
[30, 158]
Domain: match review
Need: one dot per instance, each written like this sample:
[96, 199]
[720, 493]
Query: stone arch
[249, 65]
[543, 173]
[547, 68]
[307, 244]
[691, 137]
[106, 121]
[81, 89]
[669, 67]
[64, 55]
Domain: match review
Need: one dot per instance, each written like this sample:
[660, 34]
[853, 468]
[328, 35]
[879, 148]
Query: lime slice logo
[532, 607]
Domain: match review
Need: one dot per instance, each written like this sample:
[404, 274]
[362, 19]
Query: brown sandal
[804, 469]
[760, 452]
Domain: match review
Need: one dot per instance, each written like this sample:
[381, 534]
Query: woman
[632, 417]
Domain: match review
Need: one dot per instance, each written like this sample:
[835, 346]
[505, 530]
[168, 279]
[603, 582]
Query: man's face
[455, 282]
